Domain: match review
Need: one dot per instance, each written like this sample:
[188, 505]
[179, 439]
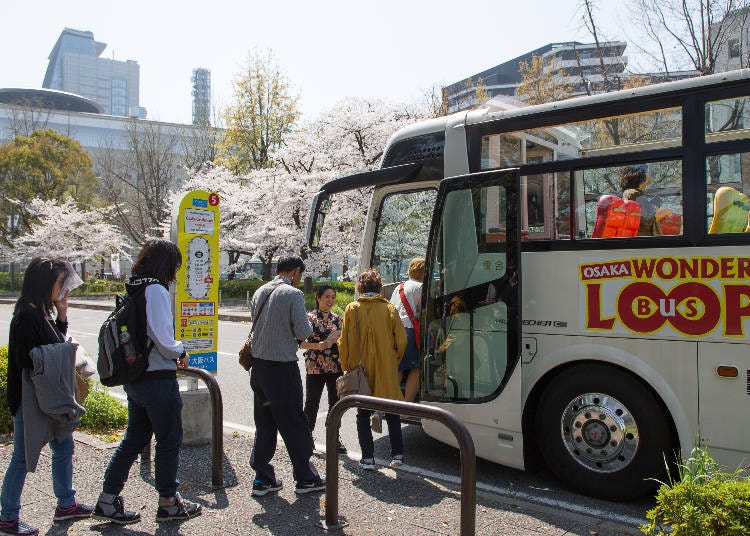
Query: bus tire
[603, 432]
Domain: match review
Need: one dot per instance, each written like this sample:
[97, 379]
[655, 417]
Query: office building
[734, 48]
[76, 66]
[579, 63]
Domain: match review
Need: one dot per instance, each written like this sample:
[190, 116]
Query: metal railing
[465, 446]
[217, 425]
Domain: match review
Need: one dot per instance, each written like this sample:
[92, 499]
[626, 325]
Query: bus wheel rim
[599, 432]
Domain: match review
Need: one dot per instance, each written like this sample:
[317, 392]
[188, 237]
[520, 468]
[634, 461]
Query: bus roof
[485, 114]
[501, 112]
[490, 112]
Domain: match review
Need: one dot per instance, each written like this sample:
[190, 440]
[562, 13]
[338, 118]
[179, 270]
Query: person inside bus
[633, 181]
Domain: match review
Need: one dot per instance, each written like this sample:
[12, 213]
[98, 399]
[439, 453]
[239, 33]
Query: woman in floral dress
[322, 355]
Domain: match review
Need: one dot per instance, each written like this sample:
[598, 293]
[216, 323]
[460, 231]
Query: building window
[119, 97]
[734, 48]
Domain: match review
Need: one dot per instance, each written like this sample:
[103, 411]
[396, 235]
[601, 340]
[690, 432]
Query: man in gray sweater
[280, 324]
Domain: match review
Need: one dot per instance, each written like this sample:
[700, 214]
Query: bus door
[471, 298]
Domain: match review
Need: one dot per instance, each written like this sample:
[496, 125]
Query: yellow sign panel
[195, 230]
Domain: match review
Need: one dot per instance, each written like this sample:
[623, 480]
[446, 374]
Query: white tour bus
[587, 282]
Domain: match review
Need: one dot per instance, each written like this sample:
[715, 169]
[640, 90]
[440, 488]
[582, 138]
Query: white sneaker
[397, 460]
[368, 464]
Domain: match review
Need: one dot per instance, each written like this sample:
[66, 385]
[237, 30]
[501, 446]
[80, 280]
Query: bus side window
[730, 211]
[631, 200]
[545, 207]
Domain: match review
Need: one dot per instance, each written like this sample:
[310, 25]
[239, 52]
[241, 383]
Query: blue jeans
[154, 407]
[15, 476]
[364, 433]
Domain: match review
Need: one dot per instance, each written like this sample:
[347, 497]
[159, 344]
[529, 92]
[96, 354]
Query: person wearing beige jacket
[372, 332]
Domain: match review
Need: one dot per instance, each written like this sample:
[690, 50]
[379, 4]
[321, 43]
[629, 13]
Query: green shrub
[6, 419]
[103, 412]
[702, 501]
[239, 288]
[99, 286]
[343, 298]
[5, 281]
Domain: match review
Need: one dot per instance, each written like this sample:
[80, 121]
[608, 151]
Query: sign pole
[195, 230]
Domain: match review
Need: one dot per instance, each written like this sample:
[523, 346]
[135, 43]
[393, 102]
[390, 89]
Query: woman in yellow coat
[373, 332]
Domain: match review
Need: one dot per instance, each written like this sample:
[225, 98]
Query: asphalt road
[424, 455]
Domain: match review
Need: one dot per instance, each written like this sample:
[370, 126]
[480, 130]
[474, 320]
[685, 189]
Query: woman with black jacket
[33, 325]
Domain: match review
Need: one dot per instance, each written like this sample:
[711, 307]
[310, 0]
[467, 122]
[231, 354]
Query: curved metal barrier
[217, 425]
[465, 445]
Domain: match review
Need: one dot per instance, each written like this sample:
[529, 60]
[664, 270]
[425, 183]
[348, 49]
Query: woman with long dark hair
[322, 356]
[43, 293]
[154, 403]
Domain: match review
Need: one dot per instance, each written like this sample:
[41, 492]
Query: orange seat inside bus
[616, 217]
[670, 221]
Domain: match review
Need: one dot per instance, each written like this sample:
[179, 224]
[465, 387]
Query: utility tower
[201, 96]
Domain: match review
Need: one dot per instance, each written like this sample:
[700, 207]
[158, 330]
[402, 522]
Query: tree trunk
[266, 270]
[233, 257]
[345, 268]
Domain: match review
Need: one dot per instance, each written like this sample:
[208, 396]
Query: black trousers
[277, 388]
[314, 384]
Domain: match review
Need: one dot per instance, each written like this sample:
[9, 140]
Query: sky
[329, 49]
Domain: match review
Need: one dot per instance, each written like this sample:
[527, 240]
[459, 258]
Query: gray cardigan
[282, 322]
[48, 399]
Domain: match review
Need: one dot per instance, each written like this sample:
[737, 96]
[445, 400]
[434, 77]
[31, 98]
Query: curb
[229, 317]
[93, 442]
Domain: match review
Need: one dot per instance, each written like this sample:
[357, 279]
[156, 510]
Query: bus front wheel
[603, 432]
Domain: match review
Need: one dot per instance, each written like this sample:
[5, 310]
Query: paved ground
[386, 502]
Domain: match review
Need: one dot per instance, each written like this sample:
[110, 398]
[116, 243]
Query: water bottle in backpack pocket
[123, 343]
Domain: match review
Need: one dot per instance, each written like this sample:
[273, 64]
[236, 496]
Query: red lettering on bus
[594, 308]
[694, 325]
[642, 294]
[643, 268]
[709, 268]
[727, 267]
[689, 268]
[691, 305]
[743, 268]
[734, 295]
[666, 263]
[649, 320]
[644, 306]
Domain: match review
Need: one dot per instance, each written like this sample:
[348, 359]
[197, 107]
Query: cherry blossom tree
[66, 231]
[347, 138]
[264, 212]
[253, 209]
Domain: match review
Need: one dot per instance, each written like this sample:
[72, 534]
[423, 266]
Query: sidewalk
[386, 502]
